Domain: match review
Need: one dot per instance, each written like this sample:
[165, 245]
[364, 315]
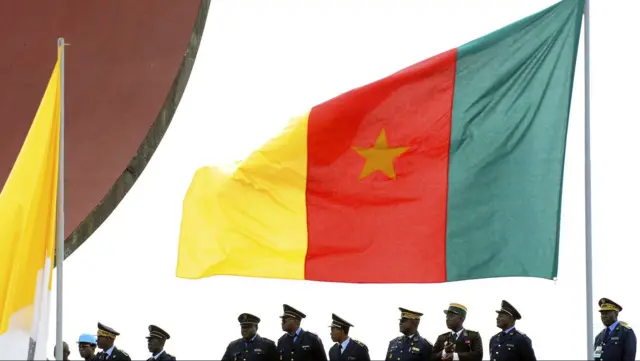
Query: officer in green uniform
[297, 344]
[250, 347]
[411, 346]
[155, 343]
[617, 342]
[345, 348]
[510, 344]
[460, 343]
[106, 339]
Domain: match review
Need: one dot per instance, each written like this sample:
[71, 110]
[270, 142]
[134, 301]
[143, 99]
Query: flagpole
[587, 181]
[60, 212]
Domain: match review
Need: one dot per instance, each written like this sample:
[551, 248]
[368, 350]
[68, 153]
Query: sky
[261, 63]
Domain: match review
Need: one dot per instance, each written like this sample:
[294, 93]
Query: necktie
[341, 348]
[607, 331]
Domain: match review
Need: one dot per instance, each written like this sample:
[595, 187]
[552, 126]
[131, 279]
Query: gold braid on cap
[409, 315]
[106, 334]
[609, 307]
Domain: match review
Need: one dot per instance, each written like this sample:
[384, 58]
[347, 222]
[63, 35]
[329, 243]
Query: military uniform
[156, 333]
[466, 344]
[301, 346]
[353, 351]
[409, 347]
[256, 349]
[616, 342]
[511, 344]
[115, 354]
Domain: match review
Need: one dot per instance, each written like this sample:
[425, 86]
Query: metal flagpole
[587, 181]
[60, 212]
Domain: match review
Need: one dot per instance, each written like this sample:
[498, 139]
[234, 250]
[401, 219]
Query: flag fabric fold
[27, 236]
[450, 169]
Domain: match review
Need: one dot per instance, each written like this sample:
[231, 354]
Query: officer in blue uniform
[155, 343]
[411, 346]
[617, 342]
[510, 344]
[297, 344]
[106, 339]
[251, 346]
[346, 348]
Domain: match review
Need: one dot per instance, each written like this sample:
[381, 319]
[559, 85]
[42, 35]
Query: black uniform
[354, 349]
[409, 347]
[156, 333]
[302, 345]
[256, 349]
[467, 344]
[616, 342]
[116, 354]
[511, 344]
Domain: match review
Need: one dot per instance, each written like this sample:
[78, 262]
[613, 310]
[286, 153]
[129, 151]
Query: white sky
[261, 63]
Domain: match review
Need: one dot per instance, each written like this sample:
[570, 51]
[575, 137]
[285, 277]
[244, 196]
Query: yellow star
[380, 157]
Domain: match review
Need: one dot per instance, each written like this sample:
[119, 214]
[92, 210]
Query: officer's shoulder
[282, 337]
[361, 344]
[518, 332]
[312, 334]
[625, 325]
[170, 356]
[268, 340]
[123, 352]
[444, 335]
[471, 332]
[397, 339]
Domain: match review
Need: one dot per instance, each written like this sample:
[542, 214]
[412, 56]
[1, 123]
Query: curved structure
[127, 65]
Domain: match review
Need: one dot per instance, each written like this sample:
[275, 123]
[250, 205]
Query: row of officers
[616, 342]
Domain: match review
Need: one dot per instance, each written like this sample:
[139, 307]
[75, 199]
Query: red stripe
[378, 230]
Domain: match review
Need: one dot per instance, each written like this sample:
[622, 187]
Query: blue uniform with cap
[409, 347]
[257, 349]
[511, 344]
[616, 342]
[302, 345]
[157, 333]
[353, 350]
[113, 353]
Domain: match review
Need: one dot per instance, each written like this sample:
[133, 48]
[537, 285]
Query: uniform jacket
[258, 349]
[116, 355]
[468, 346]
[512, 346]
[307, 347]
[355, 351]
[164, 356]
[415, 348]
[619, 346]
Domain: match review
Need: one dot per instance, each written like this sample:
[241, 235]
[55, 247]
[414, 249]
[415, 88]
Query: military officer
[87, 346]
[411, 346]
[297, 344]
[617, 342]
[250, 347]
[345, 348]
[510, 344]
[105, 341]
[155, 343]
[459, 344]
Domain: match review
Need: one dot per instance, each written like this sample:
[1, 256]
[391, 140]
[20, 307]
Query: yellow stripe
[251, 222]
[28, 210]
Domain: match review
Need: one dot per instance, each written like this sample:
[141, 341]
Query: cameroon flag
[450, 169]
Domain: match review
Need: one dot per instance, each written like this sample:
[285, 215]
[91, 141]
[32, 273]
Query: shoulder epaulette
[625, 325]
[469, 331]
[123, 352]
[360, 343]
[311, 333]
[281, 337]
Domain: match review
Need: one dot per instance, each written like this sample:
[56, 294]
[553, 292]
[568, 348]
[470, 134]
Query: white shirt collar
[109, 351]
[155, 357]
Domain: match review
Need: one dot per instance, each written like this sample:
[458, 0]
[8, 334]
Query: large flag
[27, 236]
[450, 169]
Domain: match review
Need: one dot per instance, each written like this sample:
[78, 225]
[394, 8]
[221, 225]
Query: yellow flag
[28, 230]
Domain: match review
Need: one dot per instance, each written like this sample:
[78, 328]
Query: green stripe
[508, 134]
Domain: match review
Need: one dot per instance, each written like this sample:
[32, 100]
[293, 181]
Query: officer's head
[106, 336]
[339, 328]
[608, 311]
[87, 345]
[65, 351]
[409, 321]
[156, 339]
[507, 316]
[456, 313]
[248, 325]
[291, 319]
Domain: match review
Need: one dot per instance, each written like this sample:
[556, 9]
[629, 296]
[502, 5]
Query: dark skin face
[86, 350]
[155, 345]
[248, 330]
[104, 343]
[290, 324]
[338, 335]
[65, 351]
[408, 326]
[608, 317]
[454, 321]
[505, 321]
